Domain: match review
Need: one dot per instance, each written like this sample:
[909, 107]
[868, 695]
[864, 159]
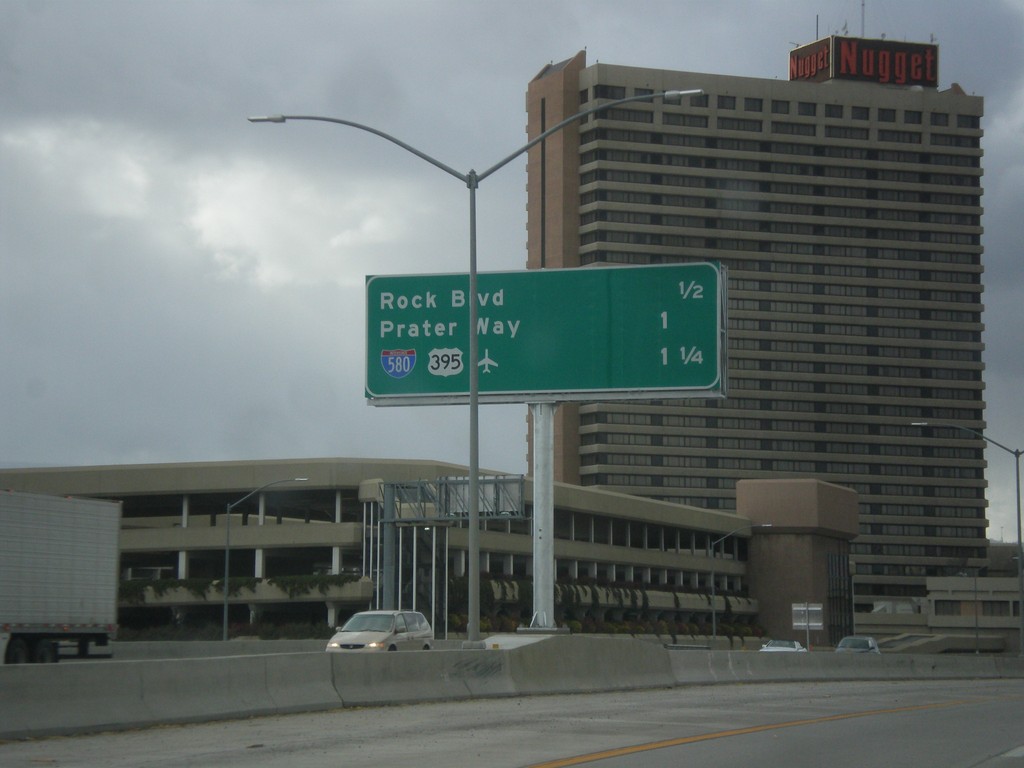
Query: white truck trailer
[58, 574]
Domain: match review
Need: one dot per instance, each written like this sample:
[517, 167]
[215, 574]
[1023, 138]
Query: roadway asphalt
[792, 725]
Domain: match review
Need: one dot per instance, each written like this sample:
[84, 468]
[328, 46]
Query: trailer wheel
[44, 652]
[17, 651]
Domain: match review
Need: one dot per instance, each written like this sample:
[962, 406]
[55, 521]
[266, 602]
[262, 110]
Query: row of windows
[942, 531]
[921, 571]
[790, 128]
[667, 240]
[769, 187]
[777, 265]
[740, 324]
[632, 480]
[851, 310]
[740, 343]
[913, 550]
[596, 529]
[751, 463]
[749, 165]
[920, 510]
[954, 457]
[791, 208]
[820, 368]
[660, 219]
[802, 108]
[804, 149]
[967, 608]
[754, 165]
[858, 290]
[704, 421]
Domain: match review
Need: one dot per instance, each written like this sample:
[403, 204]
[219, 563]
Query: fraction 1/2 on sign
[691, 290]
[686, 354]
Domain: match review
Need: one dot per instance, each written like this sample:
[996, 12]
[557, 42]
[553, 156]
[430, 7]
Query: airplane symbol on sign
[487, 362]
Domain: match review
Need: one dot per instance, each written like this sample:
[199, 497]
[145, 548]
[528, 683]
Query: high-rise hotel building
[845, 203]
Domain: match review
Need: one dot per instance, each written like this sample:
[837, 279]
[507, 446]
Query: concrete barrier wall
[192, 649]
[77, 697]
[571, 664]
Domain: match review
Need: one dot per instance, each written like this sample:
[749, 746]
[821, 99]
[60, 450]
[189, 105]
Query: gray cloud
[178, 284]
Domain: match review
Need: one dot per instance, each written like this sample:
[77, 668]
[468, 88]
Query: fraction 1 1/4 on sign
[686, 354]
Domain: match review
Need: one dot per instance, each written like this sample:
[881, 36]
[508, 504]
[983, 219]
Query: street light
[472, 180]
[227, 540]
[1016, 453]
[715, 543]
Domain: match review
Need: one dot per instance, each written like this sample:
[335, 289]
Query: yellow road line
[621, 751]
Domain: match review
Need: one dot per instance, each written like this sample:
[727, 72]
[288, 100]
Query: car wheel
[392, 648]
[17, 651]
[45, 652]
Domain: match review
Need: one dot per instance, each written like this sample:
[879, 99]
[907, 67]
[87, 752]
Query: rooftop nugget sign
[877, 61]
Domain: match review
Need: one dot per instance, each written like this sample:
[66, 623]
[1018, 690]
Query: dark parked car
[858, 644]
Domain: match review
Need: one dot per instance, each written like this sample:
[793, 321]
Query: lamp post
[1016, 453]
[714, 607]
[227, 541]
[472, 180]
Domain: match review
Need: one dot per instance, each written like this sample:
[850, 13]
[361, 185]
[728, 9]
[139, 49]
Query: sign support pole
[543, 515]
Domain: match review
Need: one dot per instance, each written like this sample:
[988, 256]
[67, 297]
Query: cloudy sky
[177, 284]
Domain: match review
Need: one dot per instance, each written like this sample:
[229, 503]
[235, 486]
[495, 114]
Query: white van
[383, 631]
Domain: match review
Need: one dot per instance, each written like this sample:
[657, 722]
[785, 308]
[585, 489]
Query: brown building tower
[846, 205]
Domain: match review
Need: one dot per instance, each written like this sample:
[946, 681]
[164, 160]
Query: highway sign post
[548, 335]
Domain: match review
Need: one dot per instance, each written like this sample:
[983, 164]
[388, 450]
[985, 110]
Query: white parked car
[783, 646]
[383, 631]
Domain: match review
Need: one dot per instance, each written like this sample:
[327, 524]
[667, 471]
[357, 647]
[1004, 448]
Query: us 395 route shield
[602, 333]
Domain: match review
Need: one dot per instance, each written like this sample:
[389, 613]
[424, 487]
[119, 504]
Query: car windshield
[853, 642]
[781, 644]
[369, 622]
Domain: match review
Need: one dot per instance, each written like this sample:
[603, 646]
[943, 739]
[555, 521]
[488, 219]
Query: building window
[834, 110]
[609, 92]
[940, 118]
[860, 113]
[846, 132]
[727, 102]
[906, 137]
[751, 104]
[806, 108]
[736, 124]
[699, 100]
[912, 117]
[886, 115]
[780, 107]
[794, 129]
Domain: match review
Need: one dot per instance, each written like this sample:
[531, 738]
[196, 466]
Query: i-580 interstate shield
[548, 335]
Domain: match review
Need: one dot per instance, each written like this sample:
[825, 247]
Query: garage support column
[543, 514]
[336, 551]
[183, 553]
[260, 568]
[389, 557]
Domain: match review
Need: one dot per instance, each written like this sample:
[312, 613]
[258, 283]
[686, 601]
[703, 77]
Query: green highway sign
[597, 333]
